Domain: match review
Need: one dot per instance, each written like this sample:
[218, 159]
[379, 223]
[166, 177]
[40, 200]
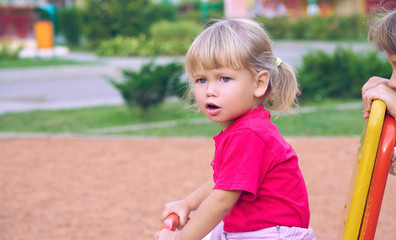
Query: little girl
[257, 190]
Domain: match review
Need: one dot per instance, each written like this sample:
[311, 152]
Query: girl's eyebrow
[199, 75]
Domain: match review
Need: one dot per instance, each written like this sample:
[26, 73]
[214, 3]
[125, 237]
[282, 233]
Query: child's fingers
[156, 235]
[178, 207]
[373, 82]
[367, 100]
[369, 96]
[165, 214]
[183, 221]
[165, 234]
[168, 209]
[381, 92]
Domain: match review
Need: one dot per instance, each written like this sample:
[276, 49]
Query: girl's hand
[181, 208]
[378, 89]
[165, 234]
[372, 83]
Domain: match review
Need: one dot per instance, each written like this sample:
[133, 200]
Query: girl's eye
[201, 80]
[225, 79]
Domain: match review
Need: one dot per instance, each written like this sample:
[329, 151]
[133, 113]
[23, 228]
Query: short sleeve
[242, 163]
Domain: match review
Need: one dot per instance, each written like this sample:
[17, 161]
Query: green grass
[326, 120]
[36, 62]
[85, 119]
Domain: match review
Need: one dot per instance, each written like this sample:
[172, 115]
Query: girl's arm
[190, 203]
[372, 83]
[208, 215]
[195, 199]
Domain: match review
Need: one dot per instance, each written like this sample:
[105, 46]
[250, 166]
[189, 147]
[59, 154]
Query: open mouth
[211, 106]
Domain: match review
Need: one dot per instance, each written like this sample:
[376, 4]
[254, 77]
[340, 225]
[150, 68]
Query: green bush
[339, 75]
[156, 12]
[180, 30]
[348, 27]
[317, 28]
[149, 85]
[128, 46]
[278, 28]
[167, 38]
[7, 52]
[105, 19]
[174, 38]
[70, 24]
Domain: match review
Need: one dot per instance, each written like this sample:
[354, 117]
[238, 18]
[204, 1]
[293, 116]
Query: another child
[257, 189]
[383, 33]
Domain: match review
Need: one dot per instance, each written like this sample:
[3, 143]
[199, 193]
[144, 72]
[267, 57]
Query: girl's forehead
[201, 68]
[219, 61]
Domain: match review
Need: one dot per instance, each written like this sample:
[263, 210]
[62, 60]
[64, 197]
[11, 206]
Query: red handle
[171, 222]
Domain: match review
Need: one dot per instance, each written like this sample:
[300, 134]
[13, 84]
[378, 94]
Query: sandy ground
[86, 188]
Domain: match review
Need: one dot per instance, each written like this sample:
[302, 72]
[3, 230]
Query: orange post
[44, 32]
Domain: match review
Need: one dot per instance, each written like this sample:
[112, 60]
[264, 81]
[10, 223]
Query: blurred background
[127, 56]
[87, 23]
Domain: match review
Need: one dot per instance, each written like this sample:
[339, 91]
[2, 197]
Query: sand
[115, 188]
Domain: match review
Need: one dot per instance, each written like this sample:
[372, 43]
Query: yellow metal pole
[365, 170]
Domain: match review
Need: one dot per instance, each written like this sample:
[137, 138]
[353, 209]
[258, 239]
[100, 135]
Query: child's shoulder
[262, 128]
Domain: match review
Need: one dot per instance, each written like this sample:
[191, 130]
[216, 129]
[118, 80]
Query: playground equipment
[171, 222]
[369, 176]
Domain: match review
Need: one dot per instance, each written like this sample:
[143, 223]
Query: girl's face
[225, 94]
[392, 61]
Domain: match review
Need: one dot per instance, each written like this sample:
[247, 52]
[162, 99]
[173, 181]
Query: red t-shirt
[252, 156]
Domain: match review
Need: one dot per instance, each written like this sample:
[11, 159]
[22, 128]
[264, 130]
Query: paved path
[87, 85]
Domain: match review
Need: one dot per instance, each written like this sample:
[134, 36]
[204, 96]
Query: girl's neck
[226, 124]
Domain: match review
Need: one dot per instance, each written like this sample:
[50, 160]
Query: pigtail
[284, 89]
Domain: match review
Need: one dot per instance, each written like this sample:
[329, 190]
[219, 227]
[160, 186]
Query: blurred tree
[70, 24]
[156, 12]
[150, 85]
[106, 19]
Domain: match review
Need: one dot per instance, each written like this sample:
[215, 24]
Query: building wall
[17, 21]
[298, 8]
[343, 8]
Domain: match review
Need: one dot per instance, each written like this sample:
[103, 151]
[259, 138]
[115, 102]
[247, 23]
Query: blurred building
[17, 16]
[302, 8]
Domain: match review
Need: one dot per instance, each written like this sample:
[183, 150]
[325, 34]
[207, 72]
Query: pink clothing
[252, 156]
[273, 233]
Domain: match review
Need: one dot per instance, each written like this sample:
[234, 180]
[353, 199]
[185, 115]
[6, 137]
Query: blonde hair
[243, 43]
[382, 31]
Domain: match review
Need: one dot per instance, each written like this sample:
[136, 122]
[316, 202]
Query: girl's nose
[211, 90]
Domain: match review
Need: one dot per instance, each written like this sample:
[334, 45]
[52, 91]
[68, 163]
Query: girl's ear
[262, 80]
